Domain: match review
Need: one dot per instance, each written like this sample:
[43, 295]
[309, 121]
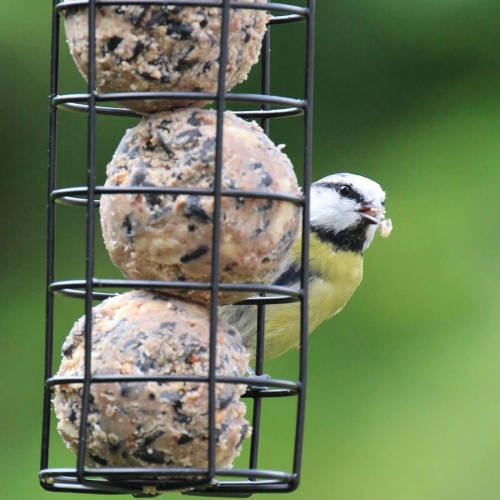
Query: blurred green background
[403, 398]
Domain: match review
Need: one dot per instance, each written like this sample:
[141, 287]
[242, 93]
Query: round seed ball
[169, 237]
[165, 48]
[151, 424]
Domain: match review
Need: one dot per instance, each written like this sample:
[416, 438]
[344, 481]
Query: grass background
[403, 398]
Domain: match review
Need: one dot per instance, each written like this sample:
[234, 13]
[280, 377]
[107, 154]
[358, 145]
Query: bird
[345, 211]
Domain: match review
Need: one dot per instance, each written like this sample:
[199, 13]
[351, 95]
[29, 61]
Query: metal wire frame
[214, 481]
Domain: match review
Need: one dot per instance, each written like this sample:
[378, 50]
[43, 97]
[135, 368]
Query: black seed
[225, 402]
[191, 227]
[98, 459]
[152, 438]
[151, 397]
[116, 329]
[194, 120]
[68, 350]
[165, 123]
[266, 206]
[114, 447]
[182, 418]
[169, 325]
[228, 181]
[180, 31]
[243, 434]
[189, 135]
[258, 165]
[152, 199]
[184, 64]
[128, 228]
[139, 178]
[195, 212]
[139, 47]
[159, 17]
[147, 364]
[135, 20]
[175, 398]
[164, 78]
[113, 42]
[256, 233]
[203, 23]
[285, 240]
[125, 391]
[196, 254]
[148, 77]
[265, 179]
[185, 438]
[131, 344]
[218, 432]
[72, 416]
[260, 229]
[160, 213]
[208, 150]
[163, 145]
[150, 456]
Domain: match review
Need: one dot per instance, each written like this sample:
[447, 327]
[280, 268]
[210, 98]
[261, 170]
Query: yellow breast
[335, 277]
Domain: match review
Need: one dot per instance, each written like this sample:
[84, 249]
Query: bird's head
[346, 210]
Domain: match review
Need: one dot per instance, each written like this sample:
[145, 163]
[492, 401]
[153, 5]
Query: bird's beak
[373, 214]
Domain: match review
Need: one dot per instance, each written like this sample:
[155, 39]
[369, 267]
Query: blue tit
[345, 211]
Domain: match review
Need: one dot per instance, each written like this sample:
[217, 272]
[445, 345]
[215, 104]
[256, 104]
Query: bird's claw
[254, 377]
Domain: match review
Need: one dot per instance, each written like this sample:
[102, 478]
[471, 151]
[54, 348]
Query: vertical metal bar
[261, 310]
[257, 400]
[266, 75]
[89, 251]
[304, 315]
[221, 101]
[51, 215]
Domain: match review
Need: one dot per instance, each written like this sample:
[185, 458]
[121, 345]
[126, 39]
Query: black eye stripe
[346, 190]
[353, 195]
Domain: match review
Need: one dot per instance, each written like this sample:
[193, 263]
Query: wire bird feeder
[264, 107]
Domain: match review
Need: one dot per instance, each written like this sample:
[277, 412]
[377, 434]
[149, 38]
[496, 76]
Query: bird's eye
[345, 190]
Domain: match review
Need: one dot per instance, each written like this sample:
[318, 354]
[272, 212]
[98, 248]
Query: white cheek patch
[370, 235]
[331, 212]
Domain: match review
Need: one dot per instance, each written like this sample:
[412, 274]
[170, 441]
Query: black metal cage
[264, 107]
